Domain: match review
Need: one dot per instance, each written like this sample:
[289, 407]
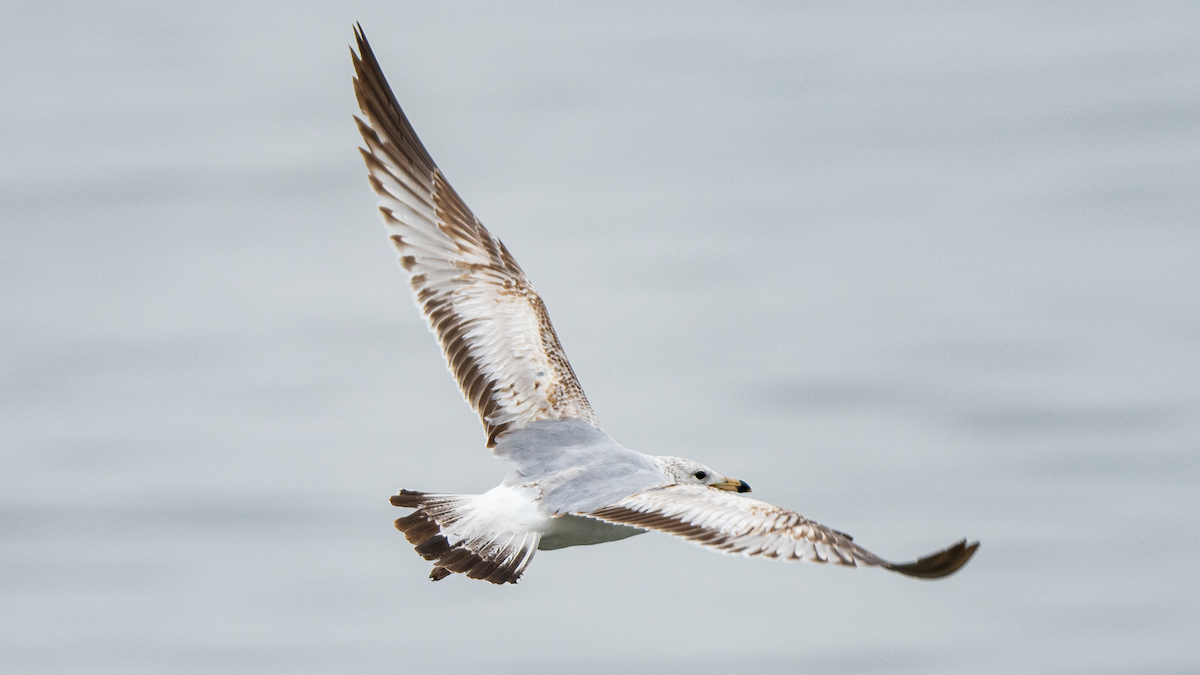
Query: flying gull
[573, 485]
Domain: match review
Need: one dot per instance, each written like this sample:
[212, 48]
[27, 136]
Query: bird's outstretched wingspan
[574, 485]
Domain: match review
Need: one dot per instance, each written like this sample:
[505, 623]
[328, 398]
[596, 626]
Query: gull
[573, 484]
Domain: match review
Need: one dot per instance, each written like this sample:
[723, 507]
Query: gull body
[573, 484]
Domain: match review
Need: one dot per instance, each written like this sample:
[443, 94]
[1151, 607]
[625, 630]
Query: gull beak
[732, 485]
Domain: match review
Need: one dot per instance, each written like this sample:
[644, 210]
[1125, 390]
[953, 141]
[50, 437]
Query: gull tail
[459, 534]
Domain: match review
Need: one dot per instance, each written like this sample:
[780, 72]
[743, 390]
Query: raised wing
[731, 523]
[493, 327]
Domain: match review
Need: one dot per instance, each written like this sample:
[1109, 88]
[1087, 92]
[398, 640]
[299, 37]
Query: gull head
[686, 472]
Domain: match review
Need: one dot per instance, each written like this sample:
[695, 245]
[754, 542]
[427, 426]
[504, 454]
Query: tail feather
[442, 531]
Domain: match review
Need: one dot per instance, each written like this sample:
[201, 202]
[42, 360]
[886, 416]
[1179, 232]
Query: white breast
[579, 531]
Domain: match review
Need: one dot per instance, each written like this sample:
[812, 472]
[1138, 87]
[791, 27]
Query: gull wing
[734, 524]
[492, 326]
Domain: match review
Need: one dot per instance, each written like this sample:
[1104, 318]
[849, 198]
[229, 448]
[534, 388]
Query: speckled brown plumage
[739, 525]
[575, 485]
[493, 328]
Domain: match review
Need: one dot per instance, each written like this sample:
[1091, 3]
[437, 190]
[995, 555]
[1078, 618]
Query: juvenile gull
[574, 485]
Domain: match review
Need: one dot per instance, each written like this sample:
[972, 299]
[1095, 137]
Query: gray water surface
[917, 270]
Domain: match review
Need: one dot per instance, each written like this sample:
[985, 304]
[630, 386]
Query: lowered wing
[735, 524]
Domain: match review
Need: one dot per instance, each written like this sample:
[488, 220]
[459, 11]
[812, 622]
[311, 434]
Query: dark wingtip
[940, 564]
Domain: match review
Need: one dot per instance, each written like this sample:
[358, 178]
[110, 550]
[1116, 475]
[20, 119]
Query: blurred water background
[917, 270]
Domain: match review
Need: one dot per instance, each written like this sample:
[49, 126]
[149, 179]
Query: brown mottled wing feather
[735, 524]
[492, 326]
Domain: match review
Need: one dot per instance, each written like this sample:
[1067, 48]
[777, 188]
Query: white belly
[580, 531]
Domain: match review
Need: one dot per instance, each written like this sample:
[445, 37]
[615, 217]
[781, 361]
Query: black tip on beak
[743, 486]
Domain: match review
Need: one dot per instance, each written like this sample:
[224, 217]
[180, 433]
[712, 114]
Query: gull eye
[700, 475]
